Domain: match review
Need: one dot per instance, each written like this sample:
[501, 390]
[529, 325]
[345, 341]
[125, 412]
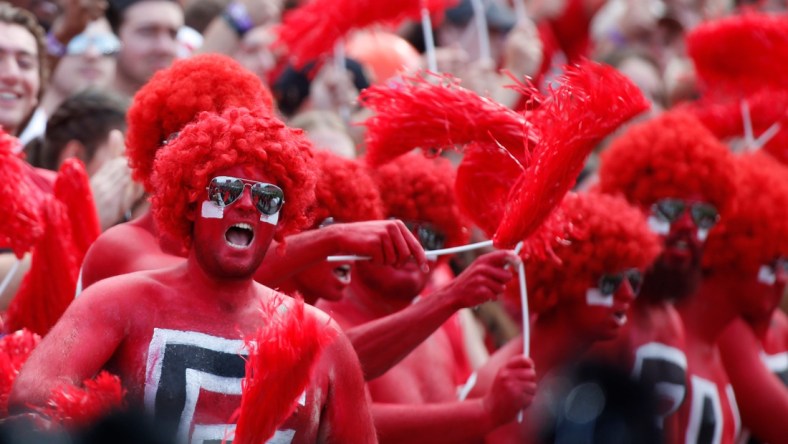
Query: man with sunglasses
[416, 399]
[680, 175]
[230, 184]
[581, 296]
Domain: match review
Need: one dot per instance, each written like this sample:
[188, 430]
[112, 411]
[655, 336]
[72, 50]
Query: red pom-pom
[282, 355]
[20, 200]
[421, 114]
[15, 348]
[741, 53]
[73, 189]
[50, 284]
[77, 407]
[311, 30]
[591, 102]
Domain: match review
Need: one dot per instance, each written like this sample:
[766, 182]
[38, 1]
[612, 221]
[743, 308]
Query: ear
[72, 148]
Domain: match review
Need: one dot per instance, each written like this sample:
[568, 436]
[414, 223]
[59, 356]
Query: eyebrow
[16, 52]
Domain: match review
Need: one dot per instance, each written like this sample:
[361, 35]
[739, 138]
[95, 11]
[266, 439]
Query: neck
[229, 294]
[708, 311]
[51, 100]
[124, 85]
[555, 341]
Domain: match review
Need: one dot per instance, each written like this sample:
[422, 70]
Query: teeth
[7, 96]
[243, 226]
[621, 318]
[342, 273]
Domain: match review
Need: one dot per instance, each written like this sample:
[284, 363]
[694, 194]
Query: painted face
[683, 225]
[19, 76]
[759, 295]
[89, 60]
[603, 311]
[230, 239]
[148, 34]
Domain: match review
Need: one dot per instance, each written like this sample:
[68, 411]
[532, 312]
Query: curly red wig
[756, 231]
[672, 155]
[610, 235]
[421, 189]
[344, 190]
[236, 137]
[175, 96]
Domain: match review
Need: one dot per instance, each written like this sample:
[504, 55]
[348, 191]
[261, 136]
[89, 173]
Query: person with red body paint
[680, 175]
[182, 356]
[416, 400]
[171, 99]
[580, 296]
[745, 275]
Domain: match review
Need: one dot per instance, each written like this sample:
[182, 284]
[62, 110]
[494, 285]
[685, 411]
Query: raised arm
[385, 241]
[75, 349]
[382, 343]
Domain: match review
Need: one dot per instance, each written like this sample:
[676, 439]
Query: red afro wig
[421, 189]
[20, 200]
[175, 96]
[756, 231]
[672, 155]
[609, 236]
[236, 137]
[344, 190]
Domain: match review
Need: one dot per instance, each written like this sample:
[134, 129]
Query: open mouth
[342, 273]
[620, 317]
[239, 236]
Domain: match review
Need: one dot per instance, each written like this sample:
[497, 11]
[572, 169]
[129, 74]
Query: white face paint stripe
[210, 210]
[595, 297]
[766, 275]
[658, 225]
[703, 233]
[272, 219]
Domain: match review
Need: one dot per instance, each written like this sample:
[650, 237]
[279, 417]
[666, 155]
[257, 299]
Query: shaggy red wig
[608, 236]
[344, 190]
[421, 189]
[175, 96]
[672, 155]
[236, 137]
[756, 231]
[20, 200]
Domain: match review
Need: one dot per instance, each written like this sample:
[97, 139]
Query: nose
[9, 69]
[625, 292]
[246, 202]
[166, 43]
[684, 223]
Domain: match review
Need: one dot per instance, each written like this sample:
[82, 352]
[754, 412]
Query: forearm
[456, 422]
[301, 251]
[384, 342]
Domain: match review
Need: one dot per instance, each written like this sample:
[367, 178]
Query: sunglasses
[704, 215]
[609, 284]
[105, 44]
[429, 237]
[267, 198]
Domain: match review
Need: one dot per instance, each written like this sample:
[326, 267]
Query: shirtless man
[416, 401]
[181, 358]
[680, 175]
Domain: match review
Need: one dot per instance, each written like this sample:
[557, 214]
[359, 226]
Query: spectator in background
[326, 131]
[147, 30]
[23, 68]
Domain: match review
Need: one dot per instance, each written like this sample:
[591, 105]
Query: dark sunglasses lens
[269, 198]
[635, 278]
[430, 239]
[704, 215]
[225, 190]
[609, 283]
[670, 209]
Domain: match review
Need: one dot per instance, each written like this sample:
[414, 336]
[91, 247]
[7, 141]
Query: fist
[484, 280]
[512, 390]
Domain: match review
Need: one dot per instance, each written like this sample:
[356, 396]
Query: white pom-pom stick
[429, 253]
[429, 40]
[526, 317]
[480, 18]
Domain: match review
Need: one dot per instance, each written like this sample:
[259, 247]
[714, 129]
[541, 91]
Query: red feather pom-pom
[78, 407]
[311, 30]
[419, 113]
[73, 189]
[591, 102]
[282, 355]
[50, 284]
[15, 348]
[741, 53]
[20, 198]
